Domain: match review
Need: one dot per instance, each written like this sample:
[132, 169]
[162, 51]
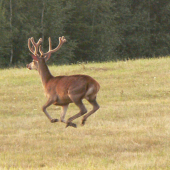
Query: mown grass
[130, 131]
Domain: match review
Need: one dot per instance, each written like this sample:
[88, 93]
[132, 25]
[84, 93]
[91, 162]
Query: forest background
[96, 30]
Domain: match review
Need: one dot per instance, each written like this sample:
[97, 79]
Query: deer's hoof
[83, 122]
[71, 124]
[54, 120]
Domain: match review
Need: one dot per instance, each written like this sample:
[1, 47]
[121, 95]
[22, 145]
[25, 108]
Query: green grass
[130, 131]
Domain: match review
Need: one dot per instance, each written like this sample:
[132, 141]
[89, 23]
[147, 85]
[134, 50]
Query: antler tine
[61, 41]
[36, 45]
[40, 50]
[29, 46]
[50, 45]
[50, 48]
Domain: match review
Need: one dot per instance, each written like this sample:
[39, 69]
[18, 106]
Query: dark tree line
[96, 30]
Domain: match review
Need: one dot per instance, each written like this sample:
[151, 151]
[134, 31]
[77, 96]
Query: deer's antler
[36, 45]
[62, 40]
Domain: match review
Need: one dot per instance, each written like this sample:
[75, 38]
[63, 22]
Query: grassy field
[130, 131]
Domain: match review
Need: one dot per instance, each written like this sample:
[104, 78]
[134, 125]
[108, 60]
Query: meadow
[130, 131]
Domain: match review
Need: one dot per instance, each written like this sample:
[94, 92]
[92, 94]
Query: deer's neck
[44, 72]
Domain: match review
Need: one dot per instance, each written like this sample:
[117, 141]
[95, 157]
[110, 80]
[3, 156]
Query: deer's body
[62, 90]
[64, 86]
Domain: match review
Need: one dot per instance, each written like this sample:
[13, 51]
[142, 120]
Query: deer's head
[41, 57]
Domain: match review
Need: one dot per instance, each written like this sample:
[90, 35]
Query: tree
[36, 19]
[95, 30]
[5, 38]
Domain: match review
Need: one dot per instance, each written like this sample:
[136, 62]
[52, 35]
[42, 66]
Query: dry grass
[131, 131]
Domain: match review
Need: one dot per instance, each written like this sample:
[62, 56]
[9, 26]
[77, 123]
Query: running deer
[62, 90]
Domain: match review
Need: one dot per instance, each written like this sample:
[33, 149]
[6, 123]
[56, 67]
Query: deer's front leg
[49, 102]
[63, 113]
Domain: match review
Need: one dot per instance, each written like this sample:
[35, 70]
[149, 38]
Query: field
[130, 131]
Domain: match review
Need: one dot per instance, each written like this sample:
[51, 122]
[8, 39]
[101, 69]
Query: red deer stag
[62, 90]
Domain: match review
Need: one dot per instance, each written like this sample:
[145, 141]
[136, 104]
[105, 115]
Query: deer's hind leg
[95, 105]
[77, 99]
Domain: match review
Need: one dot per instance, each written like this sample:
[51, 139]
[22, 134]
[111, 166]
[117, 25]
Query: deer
[63, 90]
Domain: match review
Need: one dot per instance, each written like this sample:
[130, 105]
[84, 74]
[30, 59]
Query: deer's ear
[34, 57]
